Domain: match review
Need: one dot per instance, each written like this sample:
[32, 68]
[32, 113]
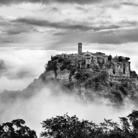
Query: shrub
[60, 60]
[54, 58]
[52, 66]
[133, 74]
[120, 58]
[63, 67]
[16, 129]
[127, 58]
[109, 58]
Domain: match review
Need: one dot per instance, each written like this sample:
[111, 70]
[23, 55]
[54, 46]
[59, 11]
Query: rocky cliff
[85, 82]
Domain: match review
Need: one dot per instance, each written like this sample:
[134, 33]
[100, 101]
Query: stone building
[114, 67]
[79, 48]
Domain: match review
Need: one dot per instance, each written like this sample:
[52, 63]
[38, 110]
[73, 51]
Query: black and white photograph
[68, 68]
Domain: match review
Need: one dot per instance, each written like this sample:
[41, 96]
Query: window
[124, 69]
[88, 65]
[113, 71]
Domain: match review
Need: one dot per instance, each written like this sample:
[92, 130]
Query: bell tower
[79, 48]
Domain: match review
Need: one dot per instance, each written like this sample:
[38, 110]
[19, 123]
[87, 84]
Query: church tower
[79, 48]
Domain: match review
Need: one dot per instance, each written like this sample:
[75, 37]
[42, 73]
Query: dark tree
[133, 74]
[16, 129]
[127, 58]
[60, 60]
[71, 127]
[52, 65]
[120, 59]
[67, 127]
[54, 58]
[125, 125]
[109, 58]
[133, 117]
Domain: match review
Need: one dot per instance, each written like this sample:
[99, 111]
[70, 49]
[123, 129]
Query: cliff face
[109, 79]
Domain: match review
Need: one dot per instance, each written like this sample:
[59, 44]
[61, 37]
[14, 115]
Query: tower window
[88, 65]
[114, 71]
[124, 69]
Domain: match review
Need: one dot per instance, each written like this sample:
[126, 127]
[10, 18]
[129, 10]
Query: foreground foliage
[16, 129]
[71, 127]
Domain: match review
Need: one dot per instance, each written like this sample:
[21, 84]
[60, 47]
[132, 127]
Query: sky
[58, 24]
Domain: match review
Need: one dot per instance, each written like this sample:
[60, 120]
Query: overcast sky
[54, 24]
[30, 28]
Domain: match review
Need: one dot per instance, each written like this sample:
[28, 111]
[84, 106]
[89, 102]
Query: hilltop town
[117, 68]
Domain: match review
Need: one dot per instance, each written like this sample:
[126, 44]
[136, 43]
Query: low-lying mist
[19, 67]
[52, 101]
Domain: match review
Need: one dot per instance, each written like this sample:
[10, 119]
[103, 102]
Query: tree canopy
[71, 127]
[16, 129]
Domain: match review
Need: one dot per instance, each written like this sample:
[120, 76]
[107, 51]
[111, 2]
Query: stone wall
[50, 75]
[127, 67]
[63, 75]
[119, 69]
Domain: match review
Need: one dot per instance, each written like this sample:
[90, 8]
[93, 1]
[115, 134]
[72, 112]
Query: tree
[65, 65]
[60, 59]
[127, 58]
[67, 127]
[18, 123]
[125, 125]
[133, 74]
[71, 127]
[54, 58]
[16, 129]
[52, 65]
[133, 117]
[1, 130]
[109, 58]
[120, 58]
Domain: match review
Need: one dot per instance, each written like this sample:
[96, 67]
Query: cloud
[7, 2]
[115, 37]
[11, 77]
[2, 67]
[57, 25]
[7, 27]
[109, 37]
[135, 4]
[79, 25]
[18, 68]
[64, 25]
[17, 30]
[72, 21]
[44, 33]
[114, 3]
